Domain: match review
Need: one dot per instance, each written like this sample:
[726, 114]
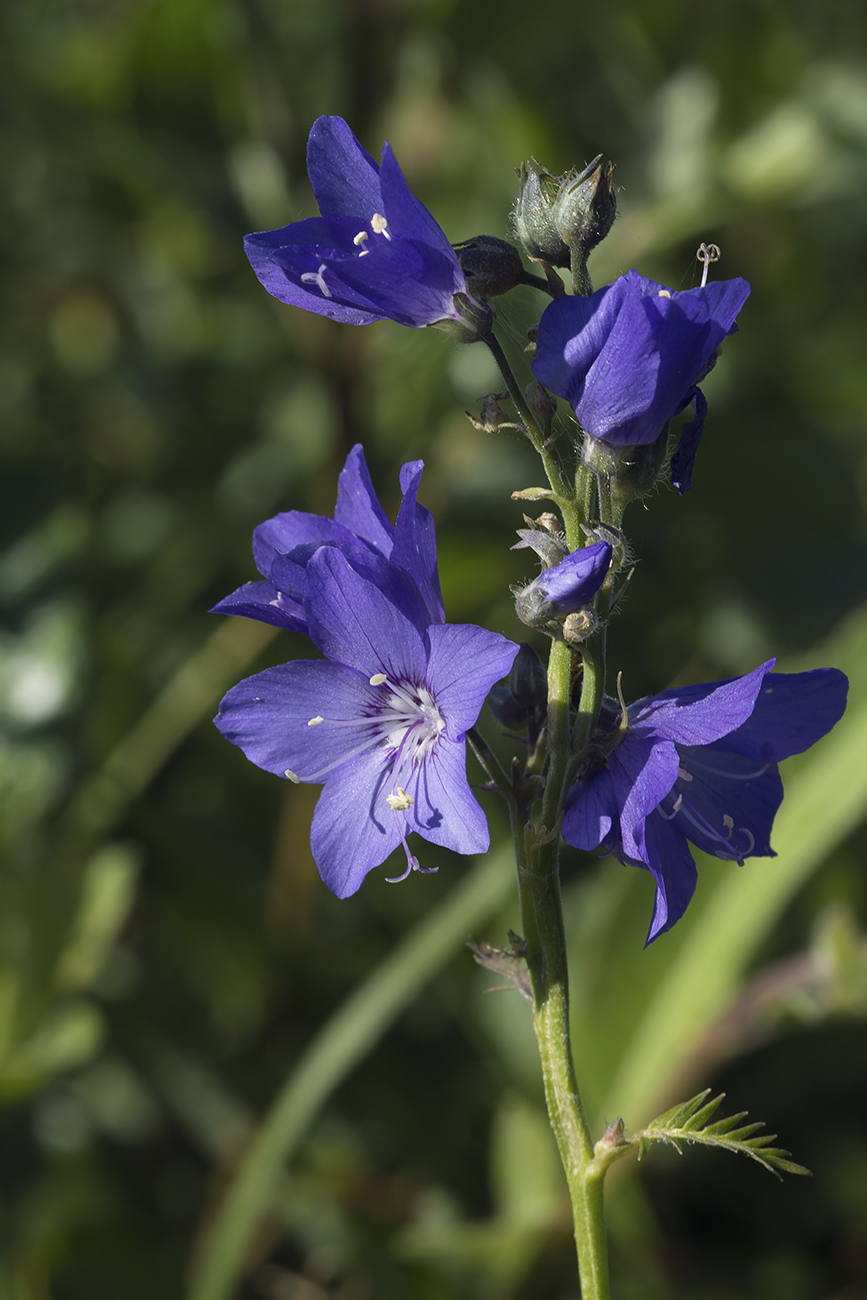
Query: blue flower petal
[352, 622]
[727, 802]
[792, 712]
[672, 867]
[697, 715]
[358, 507]
[269, 717]
[464, 663]
[344, 177]
[353, 828]
[263, 601]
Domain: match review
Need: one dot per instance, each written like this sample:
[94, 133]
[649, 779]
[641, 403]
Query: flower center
[409, 721]
[404, 719]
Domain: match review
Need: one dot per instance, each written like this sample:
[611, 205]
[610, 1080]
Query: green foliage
[689, 1123]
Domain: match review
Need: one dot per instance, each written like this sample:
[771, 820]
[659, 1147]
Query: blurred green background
[167, 952]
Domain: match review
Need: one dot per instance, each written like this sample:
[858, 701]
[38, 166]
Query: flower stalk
[383, 718]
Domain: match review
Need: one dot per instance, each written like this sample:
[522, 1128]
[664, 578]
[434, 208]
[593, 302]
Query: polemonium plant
[381, 720]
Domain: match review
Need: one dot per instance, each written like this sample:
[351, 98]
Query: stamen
[314, 722]
[311, 277]
[664, 293]
[377, 679]
[296, 780]
[360, 238]
[669, 817]
[707, 253]
[401, 801]
[379, 224]
[702, 768]
[683, 774]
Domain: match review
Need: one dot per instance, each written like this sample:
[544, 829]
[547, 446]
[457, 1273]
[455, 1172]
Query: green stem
[556, 478]
[542, 919]
[545, 936]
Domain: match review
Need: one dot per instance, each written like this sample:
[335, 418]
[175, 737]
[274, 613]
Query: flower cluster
[381, 719]
[697, 764]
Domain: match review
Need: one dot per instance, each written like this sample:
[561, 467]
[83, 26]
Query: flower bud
[523, 698]
[528, 679]
[565, 588]
[540, 401]
[506, 709]
[534, 219]
[559, 218]
[491, 266]
[586, 206]
[578, 627]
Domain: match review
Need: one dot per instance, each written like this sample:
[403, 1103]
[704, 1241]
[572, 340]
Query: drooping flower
[400, 559]
[697, 764]
[375, 253]
[381, 721]
[630, 356]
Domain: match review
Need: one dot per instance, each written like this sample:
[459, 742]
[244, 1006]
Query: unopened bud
[565, 588]
[491, 266]
[559, 216]
[528, 679]
[523, 697]
[586, 205]
[540, 401]
[577, 627]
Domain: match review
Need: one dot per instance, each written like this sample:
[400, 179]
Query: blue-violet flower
[697, 764]
[401, 559]
[630, 356]
[375, 253]
[381, 720]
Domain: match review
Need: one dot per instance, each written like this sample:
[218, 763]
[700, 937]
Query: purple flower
[565, 587]
[629, 357]
[401, 559]
[381, 720]
[699, 764]
[375, 253]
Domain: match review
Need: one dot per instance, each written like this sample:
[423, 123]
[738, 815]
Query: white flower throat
[405, 720]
